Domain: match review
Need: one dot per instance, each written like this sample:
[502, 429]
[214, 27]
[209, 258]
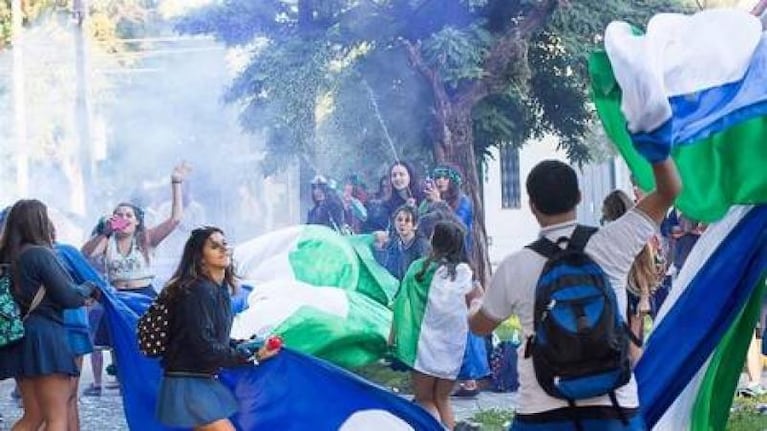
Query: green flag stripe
[324, 258]
[351, 342]
[374, 280]
[409, 310]
[725, 169]
[712, 404]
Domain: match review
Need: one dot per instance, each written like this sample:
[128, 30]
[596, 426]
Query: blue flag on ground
[291, 391]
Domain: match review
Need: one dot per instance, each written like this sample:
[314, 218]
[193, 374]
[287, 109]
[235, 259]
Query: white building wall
[511, 229]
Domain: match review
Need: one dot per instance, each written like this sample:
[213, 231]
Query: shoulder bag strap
[35, 301]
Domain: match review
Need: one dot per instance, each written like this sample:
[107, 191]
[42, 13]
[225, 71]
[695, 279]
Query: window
[510, 188]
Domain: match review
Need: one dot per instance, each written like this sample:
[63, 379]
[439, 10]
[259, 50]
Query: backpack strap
[548, 249]
[545, 247]
[37, 300]
[618, 408]
[576, 419]
[580, 237]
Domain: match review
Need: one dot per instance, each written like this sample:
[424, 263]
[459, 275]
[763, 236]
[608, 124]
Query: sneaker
[751, 391]
[92, 391]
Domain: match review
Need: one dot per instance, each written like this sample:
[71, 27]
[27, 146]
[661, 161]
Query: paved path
[105, 413]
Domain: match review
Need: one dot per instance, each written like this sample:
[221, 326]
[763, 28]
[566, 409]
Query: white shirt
[512, 291]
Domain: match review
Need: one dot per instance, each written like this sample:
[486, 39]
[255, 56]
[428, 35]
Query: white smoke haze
[150, 107]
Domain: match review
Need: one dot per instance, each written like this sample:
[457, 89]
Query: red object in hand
[274, 342]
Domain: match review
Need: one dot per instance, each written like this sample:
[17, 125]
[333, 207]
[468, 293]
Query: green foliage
[279, 90]
[745, 414]
[458, 53]
[337, 53]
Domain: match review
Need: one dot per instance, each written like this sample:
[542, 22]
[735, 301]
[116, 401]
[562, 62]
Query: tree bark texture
[459, 144]
[453, 127]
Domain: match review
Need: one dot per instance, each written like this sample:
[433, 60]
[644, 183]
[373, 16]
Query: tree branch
[509, 48]
[442, 101]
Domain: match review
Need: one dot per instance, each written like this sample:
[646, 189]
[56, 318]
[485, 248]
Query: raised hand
[180, 172]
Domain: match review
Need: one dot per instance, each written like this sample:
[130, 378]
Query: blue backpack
[581, 343]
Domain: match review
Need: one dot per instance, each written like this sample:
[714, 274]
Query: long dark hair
[414, 189]
[190, 269]
[446, 249]
[26, 223]
[142, 240]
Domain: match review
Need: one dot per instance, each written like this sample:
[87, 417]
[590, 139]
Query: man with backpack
[569, 290]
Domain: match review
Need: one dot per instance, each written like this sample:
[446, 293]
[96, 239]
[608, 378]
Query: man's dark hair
[553, 187]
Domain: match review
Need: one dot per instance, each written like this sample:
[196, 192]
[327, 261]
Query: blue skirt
[43, 351]
[474, 365]
[187, 402]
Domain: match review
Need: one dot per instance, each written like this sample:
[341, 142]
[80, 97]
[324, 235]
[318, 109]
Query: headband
[448, 172]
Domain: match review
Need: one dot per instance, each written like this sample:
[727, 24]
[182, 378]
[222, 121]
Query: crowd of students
[422, 236]
[46, 361]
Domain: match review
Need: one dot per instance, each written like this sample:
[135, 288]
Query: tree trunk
[456, 146]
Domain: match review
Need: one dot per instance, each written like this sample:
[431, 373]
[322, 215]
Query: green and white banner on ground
[321, 291]
[318, 256]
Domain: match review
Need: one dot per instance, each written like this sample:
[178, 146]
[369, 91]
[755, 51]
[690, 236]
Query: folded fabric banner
[324, 293]
[703, 330]
[315, 255]
[295, 392]
[342, 326]
[692, 87]
[289, 392]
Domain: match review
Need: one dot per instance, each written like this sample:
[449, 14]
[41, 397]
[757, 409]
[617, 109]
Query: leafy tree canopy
[351, 53]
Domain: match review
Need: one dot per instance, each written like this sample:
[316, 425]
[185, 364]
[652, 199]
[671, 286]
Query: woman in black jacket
[198, 295]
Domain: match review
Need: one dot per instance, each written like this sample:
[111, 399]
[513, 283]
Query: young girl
[430, 325]
[407, 246]
[445, 188]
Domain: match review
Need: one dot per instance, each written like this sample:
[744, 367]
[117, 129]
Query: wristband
[176, 182]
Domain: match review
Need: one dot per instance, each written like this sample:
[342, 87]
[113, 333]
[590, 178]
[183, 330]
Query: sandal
[465, 393]
[92, 391]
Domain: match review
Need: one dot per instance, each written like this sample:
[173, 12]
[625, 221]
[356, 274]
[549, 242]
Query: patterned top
[129, 267]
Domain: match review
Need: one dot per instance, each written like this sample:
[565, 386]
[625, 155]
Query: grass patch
[381, 374]
[493, 419]
[746, 416]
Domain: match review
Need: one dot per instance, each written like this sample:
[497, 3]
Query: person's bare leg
[423, 389]
[32, 419]
[53, 395]
[219, 425]
[73, 410]
[97, 366]
[442, 390]
[754, 362]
